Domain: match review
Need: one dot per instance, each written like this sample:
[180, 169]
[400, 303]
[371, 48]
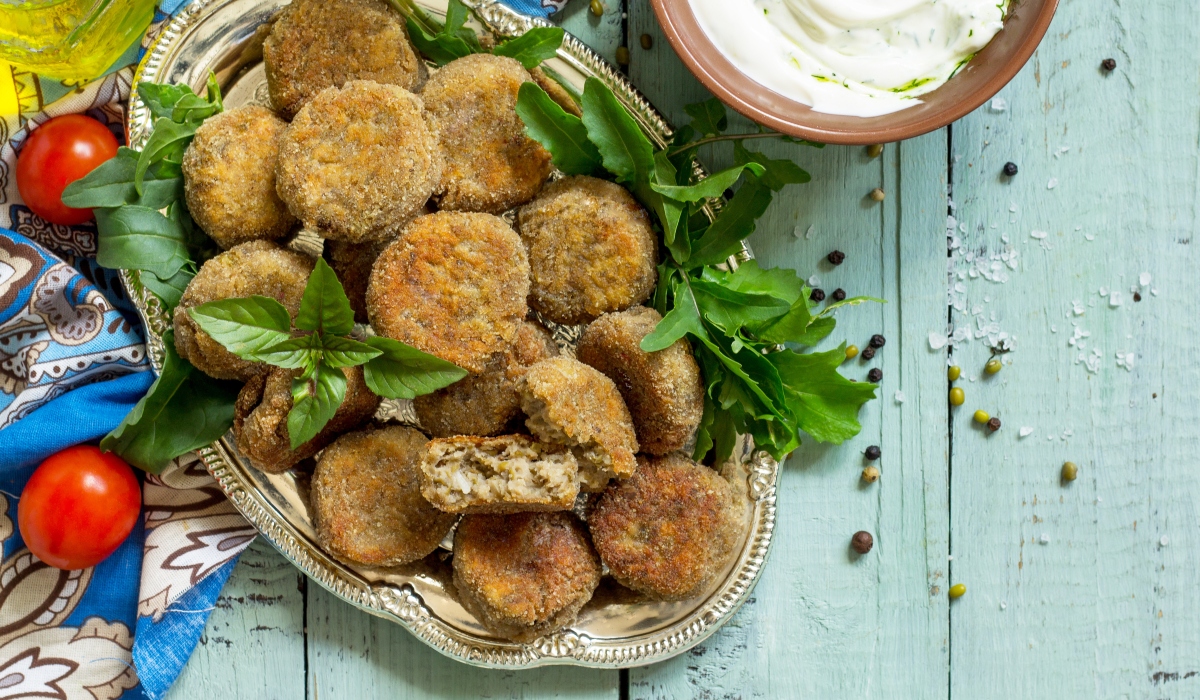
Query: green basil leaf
[168, 141]
[325, 307]
[735, 222]
[562, 134]
[138, 238]
[534, 46]
[684, 318]
[347, 352]
[777, 172]
[403, 372]
[439, 48]
[730, 310]
[712, 186]
[624, 148]
[314, 403]
[183, 411]
[709, 117]
[169, 290]
[111, 185]
[245, 326]
[825, 403]
[302, 352]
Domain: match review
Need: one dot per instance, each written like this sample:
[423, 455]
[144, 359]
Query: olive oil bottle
[70, 39]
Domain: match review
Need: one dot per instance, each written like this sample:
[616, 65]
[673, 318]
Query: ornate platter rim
[401, 603]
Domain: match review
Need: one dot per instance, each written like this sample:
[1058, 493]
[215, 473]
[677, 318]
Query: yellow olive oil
[70, 39]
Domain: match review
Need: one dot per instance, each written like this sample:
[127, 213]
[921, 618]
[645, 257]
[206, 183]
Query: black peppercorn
[728, 193]
[868, 353]
[875, 376]
[1109, 64]
[839, 294]
[1010, 168]
[836, 257]
[993, 424]
[817, 295]
[872, 453]
[877, 341]
[862, 542]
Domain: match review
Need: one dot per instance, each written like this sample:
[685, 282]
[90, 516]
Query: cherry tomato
[58, 153]
[78, 507]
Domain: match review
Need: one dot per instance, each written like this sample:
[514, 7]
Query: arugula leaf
[562, 134]
[732, 310]
[246, 326]
[852, 301]
[778, 173]
[134, 237]
[324, 306]
[345, 352]
[439, 48]
[817, 331]
[824, 402]
[624, 148]
[169, 290]
[314, 402]
[709, 117]
[712, 186]
[183, 411]
[794, 324]
[735, 222]
[534, 46]
[749, 277]
[111, 184]
[684, 318]
[403, 372]
[168, 141]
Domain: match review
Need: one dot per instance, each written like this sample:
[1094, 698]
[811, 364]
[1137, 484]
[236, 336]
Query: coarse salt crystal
[1115, 299]
[1052, 184]
[937, 341]
[1044, 539]
[1003, 605]
[1144, 279]
[1038, 234]
[1077, 308]
[1089, 236]
[1126, 360]
[814, 281]
[999, 105]
[1025, 431]
[1104, 291]
[1163, 542]
[899, 397]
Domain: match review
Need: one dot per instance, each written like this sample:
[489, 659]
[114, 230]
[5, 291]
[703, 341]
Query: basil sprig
[443, 42]
[259, 329]
[735, 319]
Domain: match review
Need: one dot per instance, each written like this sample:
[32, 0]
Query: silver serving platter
[617, 628]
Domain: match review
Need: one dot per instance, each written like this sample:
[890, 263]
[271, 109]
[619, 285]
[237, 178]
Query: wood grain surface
[1075, 590]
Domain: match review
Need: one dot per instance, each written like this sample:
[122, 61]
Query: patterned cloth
[72, 364]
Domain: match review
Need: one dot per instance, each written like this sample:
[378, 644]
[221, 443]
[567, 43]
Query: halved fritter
[505, 474]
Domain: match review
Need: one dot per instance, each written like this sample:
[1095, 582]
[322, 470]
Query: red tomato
[58, 153]
[78, 507]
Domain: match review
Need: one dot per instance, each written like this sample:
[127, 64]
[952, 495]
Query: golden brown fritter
[663, 390]
[591, 249]
[229, 177]
[316, 44]
[260, 418]
[358, 163]
[486, 403]
[505, 474]
[571, 404]
[524, 575]
[259, 268]
[367, 503]
[453, 285]
[668, 531]
[491, 165]
[352, 263]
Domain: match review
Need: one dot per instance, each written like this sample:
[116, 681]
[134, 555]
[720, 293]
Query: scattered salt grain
[1125, 360]
[1052, 184]
[1077, 308]
[1044, 539]
[1038, 234]
[899, 397]
[814, 281]
[1116, 299]
[1145, 279]
[1154, 292]
[1090, 236]
[1104, 291]
[1053, 329]
[950, 558]
[1163, 542]
[1025, 431]
[999, 105]
[1003, 605]
[937, 341]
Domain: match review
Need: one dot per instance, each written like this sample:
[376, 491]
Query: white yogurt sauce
[861, 58]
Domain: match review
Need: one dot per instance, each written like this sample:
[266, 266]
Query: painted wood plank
[1105, 604]
[824, 622]
[358, 656]
[603, 34]
[253, 645]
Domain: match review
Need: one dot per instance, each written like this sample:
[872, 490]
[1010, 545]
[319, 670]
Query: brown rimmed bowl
[979, 81]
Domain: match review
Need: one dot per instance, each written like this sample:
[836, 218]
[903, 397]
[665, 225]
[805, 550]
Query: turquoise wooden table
[1085, 260]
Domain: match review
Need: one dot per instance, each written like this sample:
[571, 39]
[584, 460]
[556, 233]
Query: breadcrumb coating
[229, 177]
[367, 502]
[669, 530]
[505, 474]
[524, 575]
[453, 285]
[491, 165]
[317, 44]
[591, 249]
[358, 163]
[663, 390]
[257, 268]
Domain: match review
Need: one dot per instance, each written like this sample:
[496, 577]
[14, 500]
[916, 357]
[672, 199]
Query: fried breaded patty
[505, 474]
[591, 249]
[358, 163]
[260, 418]
[317, 44]
[486, 403]
[366, 499]
[453, 285]
[670, 529]
[259, 268]
[229, 177]
[571, 404]
[663, 390]
[491, 165]
[524, 575]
